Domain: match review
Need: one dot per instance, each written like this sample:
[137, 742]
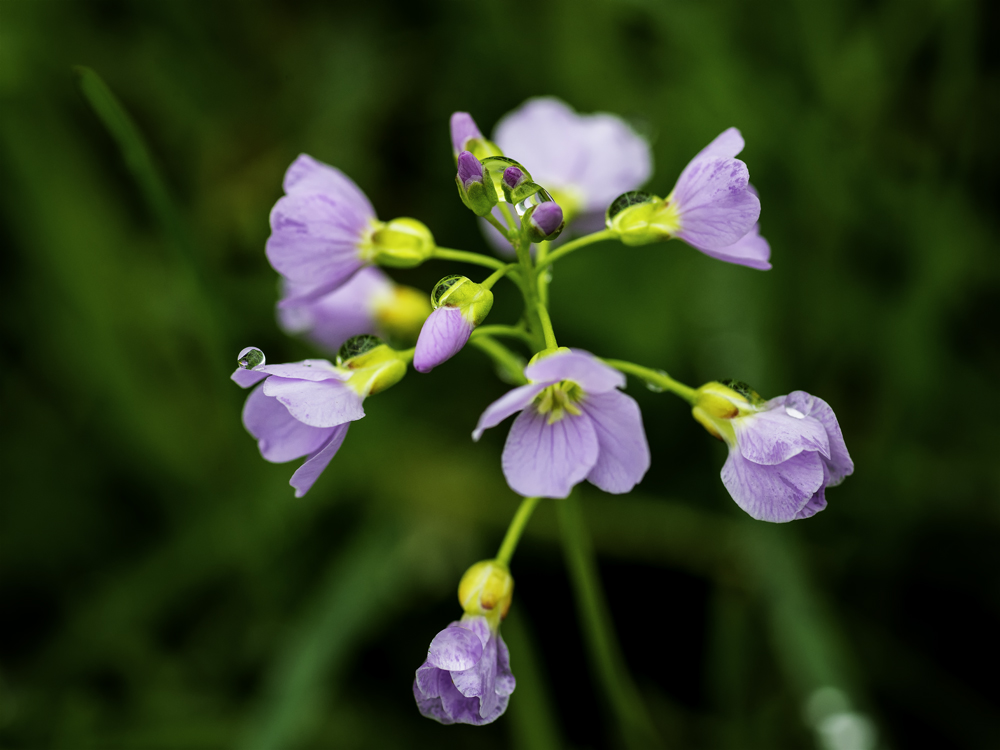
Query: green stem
[636, 727]
[516, 332]
[505, 359]
[445, 253]
[494, 277]
[530, 290]
[656, 378]
[507, 216]
[550, 335]
[589, 239]
[541, 253]
[516, 528]
[499, 227]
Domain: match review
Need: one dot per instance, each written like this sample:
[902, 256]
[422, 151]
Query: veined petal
[579, 366]
[623, 457]
[307, 369]
[245, 378]
[443, 335]
[715, 207]
[545, 459]
[307, 474]
[727, 144]
[505, 678]
[818, 501]
[511, 402]
[773, 493]
[479, 680]
[772, 436]
[280, 436]
[840, 463]
[751, 250]
[320, 404]
[455, 648]
[431, 705]
[307, 175]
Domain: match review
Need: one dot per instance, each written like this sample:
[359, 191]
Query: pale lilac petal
[751, 250]
[775, 435]
[818, 501]
[306, 175]
[443, 335]
[548, 460]
[538, 134]
[726, 145]
[505, 678]
[469, 169]
[579, 366]
[511, 402]
[547, 217]
[307, 369]
[455, 648]
[279, 435]
[461, 709]
[307, 474]
[245, 378]
[773, 493]
[618, 160]
[319, 404]
[463, 128]
[624, 457]
[839, 463]
[430, 705]
[479, 680]
[716, 208]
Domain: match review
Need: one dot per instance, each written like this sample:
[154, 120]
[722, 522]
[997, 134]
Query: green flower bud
[475, 186]
[486, 589]
[373, 365]
[401, 243]
[718, 402]
[640, 218]
[471, 298]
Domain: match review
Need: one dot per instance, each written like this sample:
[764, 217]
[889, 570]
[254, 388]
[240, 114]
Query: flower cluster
[546, 171]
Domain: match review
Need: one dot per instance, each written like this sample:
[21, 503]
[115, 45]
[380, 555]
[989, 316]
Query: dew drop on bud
[542, 196]
[250, 358]
[442, 287]
[357, 345]
[623, 201]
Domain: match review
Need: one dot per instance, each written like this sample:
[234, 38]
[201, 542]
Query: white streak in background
[828, 712]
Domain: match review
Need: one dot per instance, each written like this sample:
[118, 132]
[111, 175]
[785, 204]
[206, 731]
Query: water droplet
[442, 287]
[250, 358]
[625, 200]
[655, 388]
[793, 412]
[743, 389]
[542, 196]
[356, 346]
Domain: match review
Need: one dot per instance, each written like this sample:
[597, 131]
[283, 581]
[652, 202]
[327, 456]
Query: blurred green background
[161, 587]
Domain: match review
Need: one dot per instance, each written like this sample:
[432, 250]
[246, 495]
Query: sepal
[371, 364]
[471, 298]
[487, 589]
[475, 186]
[718, 402]
[401, 243]
[639, 218]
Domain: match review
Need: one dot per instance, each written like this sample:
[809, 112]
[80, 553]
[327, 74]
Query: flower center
[559, 400]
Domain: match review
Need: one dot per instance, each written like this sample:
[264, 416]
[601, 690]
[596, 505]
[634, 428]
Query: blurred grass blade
[612, 675]
[364, 581]
[532, 715]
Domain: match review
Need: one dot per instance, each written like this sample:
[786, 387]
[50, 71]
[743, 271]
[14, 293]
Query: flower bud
[543, 222]
[486, 589]
[459, 306]
[402, 312]
[401, 243]
[475, 187]
[372, 364]
[465, 136]
[640, 218]
[471, 298]
[718, 402]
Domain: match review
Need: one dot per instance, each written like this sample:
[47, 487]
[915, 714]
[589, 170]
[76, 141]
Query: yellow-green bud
[374, 366]
[486, 589]
[640, 218]
[401, 243]
[716, 403]
[471, 298]
[402, 313]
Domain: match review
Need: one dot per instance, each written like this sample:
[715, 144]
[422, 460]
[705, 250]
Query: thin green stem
[494, 277]
[516, 332]
[507, 216]
[561, 252]
[656, 378]
[516, 528]
[464, 256]
[612, 675]
[541, 253]
[509, 363]
[550, 335]
[530, 291]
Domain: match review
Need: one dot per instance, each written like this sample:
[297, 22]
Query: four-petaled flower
[574, 424]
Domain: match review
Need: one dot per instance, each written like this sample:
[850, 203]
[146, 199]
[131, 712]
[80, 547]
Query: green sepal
[480, 198]
[401, 243]
[373, 365]
[639, 218]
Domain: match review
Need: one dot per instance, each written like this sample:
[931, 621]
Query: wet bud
[402, 312]
[372, 364]
[640, 218]
[475, 188]
[486, 589]
[465, 294]
[718, 402]
[401, 243]
[465, 136]
[543, 222]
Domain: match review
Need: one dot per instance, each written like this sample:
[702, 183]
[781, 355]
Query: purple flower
[574, 425]
[463, 130]
[466, 678]
[460, 305]
[301, 409]
[546, 218]
[783, 453]
[320, 230]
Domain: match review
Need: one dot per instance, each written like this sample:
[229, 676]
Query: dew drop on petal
[792, 412]
[250, 358]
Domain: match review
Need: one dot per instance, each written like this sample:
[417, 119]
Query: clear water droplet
[356, 346]
[793, 412]
[625, 200]
[653, 386]
[250, 358]
[542, 196]
[442, 287]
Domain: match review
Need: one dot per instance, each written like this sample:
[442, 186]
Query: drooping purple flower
[574, 424]
[463, 129]
[319, 229]
[301, 409]
[466, 678]
[783, 453]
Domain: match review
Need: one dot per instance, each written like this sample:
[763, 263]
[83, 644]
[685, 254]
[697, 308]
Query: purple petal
[455, 648]
[726, 145]
[463, 128]
[579, 366]
[548, 460]
[512, 177]
[716, 208]
[279, 435]
[775, 435]
[458, 707]
[319, 404]
[511, 402]
[307, 474]
[443, 335]
[469, 169]
[840, 463]
[505, 678]
[773, 493]
[307, 369]
[479, 680]
[818, 501]
[306, 175]
[547, 217]
[245, 378]
[624, 458]
[751, 250]
[430, 705]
